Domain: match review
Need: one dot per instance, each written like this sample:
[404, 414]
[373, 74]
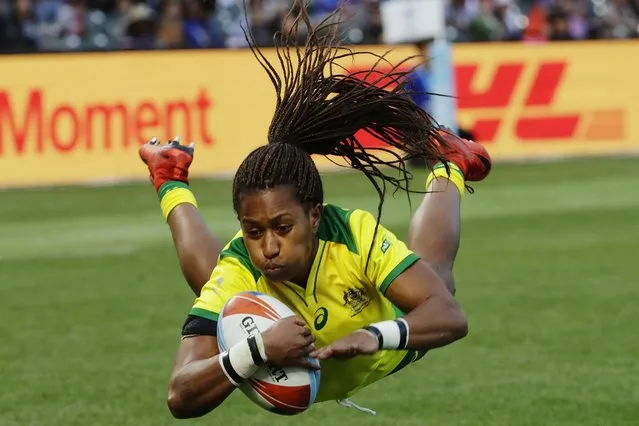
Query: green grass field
[92, 302]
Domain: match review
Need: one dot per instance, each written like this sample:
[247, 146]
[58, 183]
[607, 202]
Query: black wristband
[228, 367]
[377, 334]
[255, 352]
[403, 334]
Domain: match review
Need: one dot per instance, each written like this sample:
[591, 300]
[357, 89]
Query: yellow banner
[78, 118]
[81, 117]
[556, 99]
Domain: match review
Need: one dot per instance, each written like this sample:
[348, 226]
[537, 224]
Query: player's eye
[253, 233]
[284, 229]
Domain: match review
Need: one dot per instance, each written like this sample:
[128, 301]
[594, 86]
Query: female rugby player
[367, 304]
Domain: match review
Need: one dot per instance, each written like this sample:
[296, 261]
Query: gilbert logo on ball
[277, 374]
[286, 391]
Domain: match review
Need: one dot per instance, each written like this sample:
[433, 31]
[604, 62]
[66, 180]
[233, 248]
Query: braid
[273, 165]
[319, 109]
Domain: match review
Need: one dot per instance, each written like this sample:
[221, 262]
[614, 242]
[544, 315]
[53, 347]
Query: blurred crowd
[542, 20]
[63, 25]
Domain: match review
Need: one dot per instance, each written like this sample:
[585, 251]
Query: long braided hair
[319, 109]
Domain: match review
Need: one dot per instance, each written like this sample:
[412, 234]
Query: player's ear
[315, 214]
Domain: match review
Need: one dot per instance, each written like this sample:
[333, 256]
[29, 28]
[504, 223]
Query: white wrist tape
[244, 359]
[391, 334]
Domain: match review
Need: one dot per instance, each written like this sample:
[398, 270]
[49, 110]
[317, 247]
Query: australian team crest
[357, 299]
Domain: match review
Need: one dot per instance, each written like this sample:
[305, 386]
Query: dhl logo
[490, 109]
[536, 119]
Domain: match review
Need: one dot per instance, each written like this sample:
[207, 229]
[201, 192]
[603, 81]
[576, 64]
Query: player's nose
[270, 246]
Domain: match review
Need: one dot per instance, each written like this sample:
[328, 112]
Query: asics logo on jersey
[357, 299]
[321, 318]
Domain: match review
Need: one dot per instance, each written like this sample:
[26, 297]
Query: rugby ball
[285, 391]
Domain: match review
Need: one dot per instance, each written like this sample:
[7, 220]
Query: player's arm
[196, 246]
[198, 383]
[203, 377]
[433, 317]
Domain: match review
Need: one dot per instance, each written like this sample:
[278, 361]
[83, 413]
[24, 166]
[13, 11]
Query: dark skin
[280, 233]
[196, 246]
[426, 289]
[198, 385]
[280, 236]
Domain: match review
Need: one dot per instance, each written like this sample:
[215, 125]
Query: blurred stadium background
[91, 296]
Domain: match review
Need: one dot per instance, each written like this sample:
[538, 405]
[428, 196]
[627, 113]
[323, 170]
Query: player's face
[279, 233]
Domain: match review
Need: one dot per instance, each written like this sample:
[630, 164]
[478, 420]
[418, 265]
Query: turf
[92, 302]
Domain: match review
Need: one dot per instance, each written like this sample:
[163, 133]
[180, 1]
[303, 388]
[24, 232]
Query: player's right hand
[168, 162]
[288, 342]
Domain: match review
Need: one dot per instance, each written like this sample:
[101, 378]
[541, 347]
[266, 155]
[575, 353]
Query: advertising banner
[80, 118]
[552, 100]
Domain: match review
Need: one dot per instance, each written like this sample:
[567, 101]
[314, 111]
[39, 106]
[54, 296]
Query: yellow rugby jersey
[339, 297]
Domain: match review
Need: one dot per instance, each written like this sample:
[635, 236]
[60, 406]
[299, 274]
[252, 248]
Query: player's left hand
[361, 342]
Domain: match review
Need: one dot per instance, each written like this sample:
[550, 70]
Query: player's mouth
[274, 272]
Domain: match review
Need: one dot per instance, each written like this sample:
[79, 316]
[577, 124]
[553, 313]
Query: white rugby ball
[286, 391]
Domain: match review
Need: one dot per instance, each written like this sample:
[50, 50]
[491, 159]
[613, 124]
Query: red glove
[168, 162]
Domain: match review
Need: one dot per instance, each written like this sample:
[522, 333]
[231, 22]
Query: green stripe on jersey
[198, 312]
[403, 265]
[335, 226]
[237, 249]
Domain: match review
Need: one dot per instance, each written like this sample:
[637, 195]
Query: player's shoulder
[346, 226]
[235, 253]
